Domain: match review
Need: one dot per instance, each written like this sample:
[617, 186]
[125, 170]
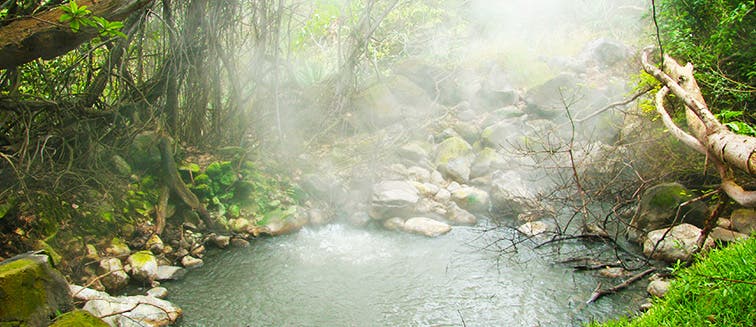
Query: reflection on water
[341, 276]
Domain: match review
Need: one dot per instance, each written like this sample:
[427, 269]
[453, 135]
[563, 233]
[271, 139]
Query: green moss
[23, 289]
[141, 258]
[669, 196]
[451, 148]
[42, 245]
[78, 318]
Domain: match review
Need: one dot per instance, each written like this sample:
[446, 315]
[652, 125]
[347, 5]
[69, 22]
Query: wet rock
[190, 262]
[282, 221]
[170, 273]
[442, 196]
[414, 152]
[450, 149]
[487, 161]
[426, 226]
[460, 216]
[154, 244]
[198, 251]
[143, 266]
[471, 199]
[658, 208]
[392, 199]
[468, 131]
[658, 287]
[498, 135]
[139, 310]
[219, 241]
[114, 276]
[604, 52]
[238, 225]
[613, 272]
[679, 243]
[744, 220]
[31, 291]
[725, 223]
[457, 169]
[158, 292]
[395, 224]
[546, 100]
[358, 219]
[92, 253]
[418, 174]
[510, 192]
[726, 235]
[118, 248]
[239, 242]
[78, 318]
[437, 178]
[533, 228]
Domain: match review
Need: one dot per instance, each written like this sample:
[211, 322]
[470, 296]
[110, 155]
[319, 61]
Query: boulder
[658, 208]
[471, 199]
[154, 244]
[744, 220]
[319, 217]
[414, 151]
[139, 310]
[31, 291]
[726, 235]
[418, 174]
[486, 162]
[679, 243]
[393, 199]
[191, 262]
[658, 287]
[546, 100]
[114, 276]
[457, 169]
[143, 266]
[604, 52]
[78, 318]
[499, 134]
[219, 241]
[510, 193]
[426, 226]
[118, 248]
[533, 228]
[460, 216]
[158, 292]
[468, 131]
[452, 148]
[282, 221]
[238, 225]
[395, 224]
[170, 273]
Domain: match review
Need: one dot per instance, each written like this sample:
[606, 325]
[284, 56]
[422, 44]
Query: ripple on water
[340, 276]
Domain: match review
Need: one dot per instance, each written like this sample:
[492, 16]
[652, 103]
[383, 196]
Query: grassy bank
[719, 290]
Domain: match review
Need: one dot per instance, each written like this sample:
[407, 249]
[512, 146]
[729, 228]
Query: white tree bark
[710, 137]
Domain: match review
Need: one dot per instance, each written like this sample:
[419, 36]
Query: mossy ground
[719, 290]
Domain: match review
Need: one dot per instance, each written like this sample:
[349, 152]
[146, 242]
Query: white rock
[533, 228]
[114, 275]
[679, 243]
[460, 216]
[426, 226]
[158, 292]
[471, 199]
[143, 266]
[191, 262]
[395, 224]
[658, 287]
[443, 196]
[170, 273]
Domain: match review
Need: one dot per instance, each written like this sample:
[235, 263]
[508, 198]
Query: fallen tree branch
[598, 293]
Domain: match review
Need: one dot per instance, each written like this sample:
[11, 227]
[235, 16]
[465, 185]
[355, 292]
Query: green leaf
[65, 17]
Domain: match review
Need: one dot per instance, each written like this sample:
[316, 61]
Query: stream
[343, 276]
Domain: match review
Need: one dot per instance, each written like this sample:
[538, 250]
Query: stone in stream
[533, 228]
[158, 292]
[678, 244]
[143, 266]
[744, 220]
[658, 208]
[154, 244]
[395, 224]
[31, 291]
[219, 241]
[118, 248]
[471, 199]
[460, 216]
[426, 226]
[139, 310]
[392, 199]
[191, 262]
[658, 287]
[114, 276]
[170, 273]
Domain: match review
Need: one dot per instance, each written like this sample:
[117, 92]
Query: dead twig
[598, 293]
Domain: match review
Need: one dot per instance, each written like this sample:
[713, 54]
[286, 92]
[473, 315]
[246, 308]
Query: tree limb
[41, 36]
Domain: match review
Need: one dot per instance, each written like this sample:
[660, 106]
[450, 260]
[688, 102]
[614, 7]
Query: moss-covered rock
[658, 209]
[31, 291]
[143, 266]
[450, 149]
[78, 318]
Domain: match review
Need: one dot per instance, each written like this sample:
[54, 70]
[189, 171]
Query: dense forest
[144, 121]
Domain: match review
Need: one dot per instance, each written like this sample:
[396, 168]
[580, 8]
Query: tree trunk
[43, 36]
[710, 137]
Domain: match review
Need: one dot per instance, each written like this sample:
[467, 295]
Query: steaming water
[342, 276]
